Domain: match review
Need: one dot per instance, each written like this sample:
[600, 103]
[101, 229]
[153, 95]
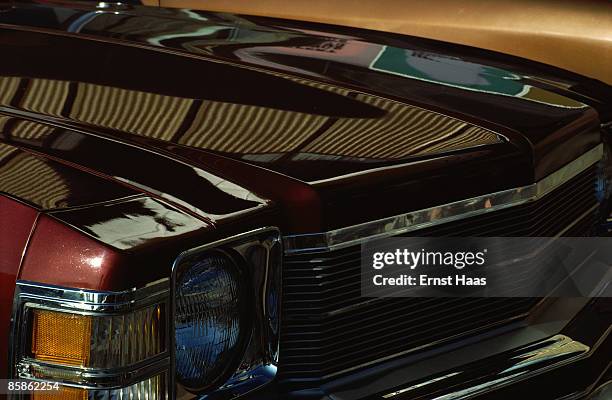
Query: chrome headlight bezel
[259, 255]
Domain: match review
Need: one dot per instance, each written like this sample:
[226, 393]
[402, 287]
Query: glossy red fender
[16, 222]
[60, 255]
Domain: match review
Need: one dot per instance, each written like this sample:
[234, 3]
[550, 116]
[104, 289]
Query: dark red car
[183, 196]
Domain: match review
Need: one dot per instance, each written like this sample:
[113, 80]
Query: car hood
[310, 119]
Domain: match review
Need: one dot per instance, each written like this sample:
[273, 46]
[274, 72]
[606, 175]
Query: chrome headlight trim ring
[258, 362]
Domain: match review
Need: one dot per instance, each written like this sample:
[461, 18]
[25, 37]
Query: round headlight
[208, 319]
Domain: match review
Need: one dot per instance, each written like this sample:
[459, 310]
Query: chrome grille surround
[328, 330]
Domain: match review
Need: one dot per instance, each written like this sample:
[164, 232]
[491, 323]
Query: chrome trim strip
[91, 301]
[90, 378]
[425, 218]
[510, 368]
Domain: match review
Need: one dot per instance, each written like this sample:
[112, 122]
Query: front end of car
[259, 314]
[200, 236]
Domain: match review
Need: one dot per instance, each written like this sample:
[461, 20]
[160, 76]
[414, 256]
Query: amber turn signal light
[60, 337]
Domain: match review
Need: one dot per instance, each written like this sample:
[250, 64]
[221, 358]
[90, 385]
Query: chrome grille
[328, 329]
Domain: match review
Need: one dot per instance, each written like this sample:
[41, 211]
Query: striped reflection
[28, 130]
[8, 88]
[45, 96]
[239, 128]
[404, 131]
[246, 130]
[31, 178]
[146, 114]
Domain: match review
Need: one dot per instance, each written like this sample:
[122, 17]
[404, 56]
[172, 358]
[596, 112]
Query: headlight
[209, 319]
[96, 345]
[225, 325]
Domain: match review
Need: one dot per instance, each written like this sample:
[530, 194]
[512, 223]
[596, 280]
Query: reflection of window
[263, 158]
[8, 88]
[3, 120]
[45, 96]
[141, 113]
[32, 179]
[404, 131]
[5, 151]
[28, 130]
[250, 130]
[240, 128]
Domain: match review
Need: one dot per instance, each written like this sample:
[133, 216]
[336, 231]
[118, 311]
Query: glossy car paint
[73, 259]
[47, 184]
[16, 223]
[534, 29]
[127, 112]
[111, 120]
[113, 257]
